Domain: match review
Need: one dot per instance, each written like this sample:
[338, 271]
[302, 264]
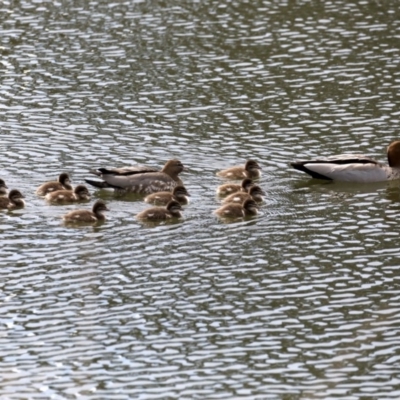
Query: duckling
[250, 170]
[179, 194]
[229, 188]
[13, 201]
[236, 210]
[86, 216]
[3, 188]
[141, 182]
[172, 210]
[80, 193]
[63, 183]
[254, 192]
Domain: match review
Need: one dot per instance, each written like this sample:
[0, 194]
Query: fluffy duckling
[253, 192]
[229, 188]
[86, 216]
[13, 201]
[236, 210]
[179, 194]
[172, 210]
[80, 193]
[353, 167]
[139, 182]
[3, 188]
[250, 170]
[63, 183]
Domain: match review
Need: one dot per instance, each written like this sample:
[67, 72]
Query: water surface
[301, 302]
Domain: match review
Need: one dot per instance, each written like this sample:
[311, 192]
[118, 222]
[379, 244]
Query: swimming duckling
[80, 193]
[86, 216]
[3, 188]
[163, 198]
[254, 192]
[250, 170]
[13, 201]
[63, 183]
[143, 183]
[172, 210]
[229, 188]
[236, 210]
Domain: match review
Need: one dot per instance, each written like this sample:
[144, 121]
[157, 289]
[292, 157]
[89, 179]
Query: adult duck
[142, 183]
[353, 167]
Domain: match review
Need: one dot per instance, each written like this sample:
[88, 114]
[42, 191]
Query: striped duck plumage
[140, 169]
[353, 167]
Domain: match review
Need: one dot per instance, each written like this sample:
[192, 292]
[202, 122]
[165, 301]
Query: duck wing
[135, 169]
[146, 183]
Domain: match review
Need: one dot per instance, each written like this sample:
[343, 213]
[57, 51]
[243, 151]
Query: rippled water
[301, 302]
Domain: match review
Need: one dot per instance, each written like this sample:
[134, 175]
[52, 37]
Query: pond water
[301, 302]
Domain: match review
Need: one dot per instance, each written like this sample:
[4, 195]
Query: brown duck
[87, 216]
[250, 170]
[143, 183]
[63, 183]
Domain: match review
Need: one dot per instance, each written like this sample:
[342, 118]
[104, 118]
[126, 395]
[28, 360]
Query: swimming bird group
[164, 188]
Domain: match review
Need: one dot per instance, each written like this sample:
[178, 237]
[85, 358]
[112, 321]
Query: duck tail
[301, 166]
[98, 184]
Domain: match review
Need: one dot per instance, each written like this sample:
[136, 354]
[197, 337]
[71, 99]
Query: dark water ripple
[301, 302]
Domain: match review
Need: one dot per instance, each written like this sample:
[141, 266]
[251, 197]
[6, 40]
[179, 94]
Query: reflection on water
[299, 302]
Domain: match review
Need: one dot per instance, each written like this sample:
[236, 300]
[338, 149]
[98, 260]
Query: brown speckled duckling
[172, 210]
[3, 188]
[250, 170]
[63, 183]
[179, 194]
[87, 216]
[236, 210]
[229, 188]
[13, 201]
[254, 192]
[142, 183]
[80, 193]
